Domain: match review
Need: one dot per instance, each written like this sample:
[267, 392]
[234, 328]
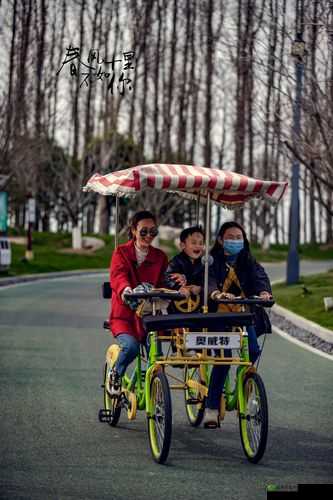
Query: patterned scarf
[231, 285]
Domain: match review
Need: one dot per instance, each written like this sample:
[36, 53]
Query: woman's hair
[143, 214]
[223, 229]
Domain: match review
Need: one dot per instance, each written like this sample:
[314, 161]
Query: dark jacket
[252, 278]
[182, 264]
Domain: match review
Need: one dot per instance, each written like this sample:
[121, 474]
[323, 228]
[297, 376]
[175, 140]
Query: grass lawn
[278, 253]
[310, 305]
[48, 258]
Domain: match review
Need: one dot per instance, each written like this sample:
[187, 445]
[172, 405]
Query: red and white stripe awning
[227, 188]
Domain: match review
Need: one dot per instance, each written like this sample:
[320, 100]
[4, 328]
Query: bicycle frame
[138, 384]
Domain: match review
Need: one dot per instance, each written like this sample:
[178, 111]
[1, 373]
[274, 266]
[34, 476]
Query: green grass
[47, 257]
[309, 305]
[278, 253]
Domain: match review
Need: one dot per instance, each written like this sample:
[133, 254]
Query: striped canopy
[226, 188]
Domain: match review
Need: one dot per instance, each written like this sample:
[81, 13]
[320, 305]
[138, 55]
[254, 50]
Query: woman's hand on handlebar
[128, 289]
[217, 295]
[265, 295]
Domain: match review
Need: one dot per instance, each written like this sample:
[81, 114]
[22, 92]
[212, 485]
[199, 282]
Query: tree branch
[308, 166]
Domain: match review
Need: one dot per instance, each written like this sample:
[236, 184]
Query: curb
[301, 322]
[309, 326]
[294, 340]
[28, 278]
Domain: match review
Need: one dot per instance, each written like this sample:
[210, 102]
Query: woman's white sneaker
[114, 383]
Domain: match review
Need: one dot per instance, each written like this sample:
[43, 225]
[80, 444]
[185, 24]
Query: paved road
[53, 447]
[277, 270]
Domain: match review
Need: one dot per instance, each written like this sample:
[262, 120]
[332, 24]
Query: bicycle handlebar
[254, 301]
[155, 295]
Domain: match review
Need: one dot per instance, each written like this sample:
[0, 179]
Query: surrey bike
[194, 341]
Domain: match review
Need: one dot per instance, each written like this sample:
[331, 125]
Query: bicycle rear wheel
[111, 403]
[253, 423]
[160, 422]
[194, 401]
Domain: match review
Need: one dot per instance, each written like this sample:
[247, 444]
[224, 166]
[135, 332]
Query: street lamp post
[298, 52]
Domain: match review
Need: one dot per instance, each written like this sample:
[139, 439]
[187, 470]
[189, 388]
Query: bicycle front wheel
[194, 401]
[160, 421]
[253, 423]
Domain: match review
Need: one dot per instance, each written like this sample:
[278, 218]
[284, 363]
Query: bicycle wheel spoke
[194, 411]
[159, 424]
[254, 426]
[160, 433]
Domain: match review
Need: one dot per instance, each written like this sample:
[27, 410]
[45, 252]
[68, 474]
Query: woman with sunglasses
[132, 263]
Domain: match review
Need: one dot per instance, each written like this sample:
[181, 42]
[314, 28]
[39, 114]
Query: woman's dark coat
[252, 278]
[183, 264]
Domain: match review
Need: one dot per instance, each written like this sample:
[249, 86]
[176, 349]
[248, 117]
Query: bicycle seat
[213, 321]
[106, 290]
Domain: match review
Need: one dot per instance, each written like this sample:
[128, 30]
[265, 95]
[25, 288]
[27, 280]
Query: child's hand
[180, 279]
[185, 290]
[195, 289]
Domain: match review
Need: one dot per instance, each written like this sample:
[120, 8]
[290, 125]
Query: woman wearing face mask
[132, 263]
[233, 273]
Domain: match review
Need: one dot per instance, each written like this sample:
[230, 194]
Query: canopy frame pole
[116, 237]
[207, 240]
[197, 210]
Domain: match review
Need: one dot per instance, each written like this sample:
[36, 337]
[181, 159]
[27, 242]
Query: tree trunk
[104, 211]
[157, 81]
[183, 94]
[10, 107]
[267, 171]
[60, 56]
[21, 112]
[194, 81]
[40, 57]
[145, 45]
[209, 79]
[170, 87]
[76, 108]
[313, 133]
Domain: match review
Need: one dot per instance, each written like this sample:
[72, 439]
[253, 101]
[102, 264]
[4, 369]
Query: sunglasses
[145, 231]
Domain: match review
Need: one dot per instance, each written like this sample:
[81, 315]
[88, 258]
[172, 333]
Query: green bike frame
[140, 382]
[235, 397]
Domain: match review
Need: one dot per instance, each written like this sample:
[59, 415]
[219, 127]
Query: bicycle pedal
[104, 416]
[123, 401]
[193, 401]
